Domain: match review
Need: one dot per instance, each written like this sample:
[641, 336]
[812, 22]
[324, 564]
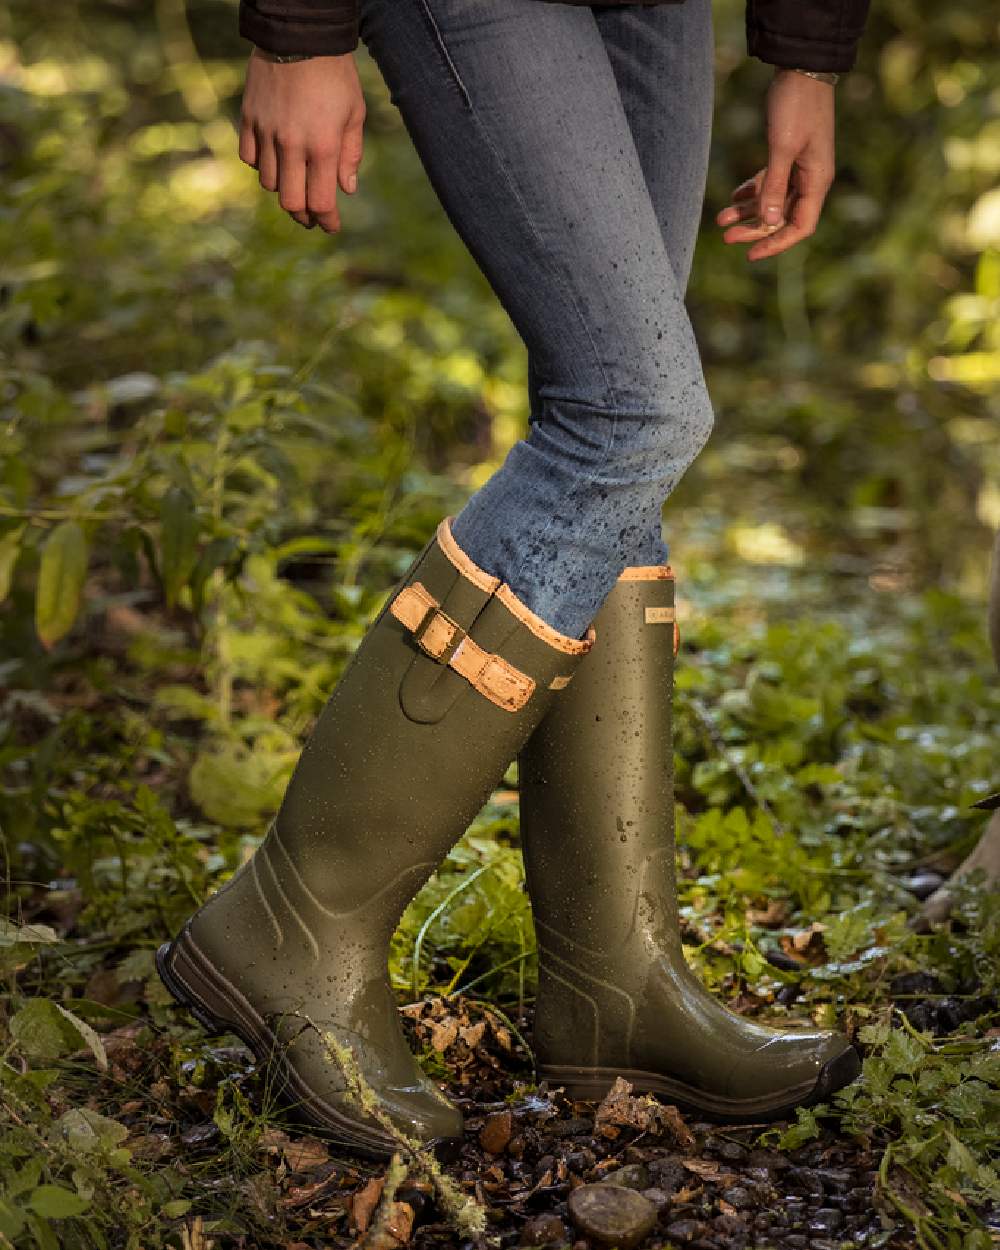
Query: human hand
[301, 128]
[780, 205]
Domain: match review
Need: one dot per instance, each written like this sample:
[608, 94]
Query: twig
[467, 1215]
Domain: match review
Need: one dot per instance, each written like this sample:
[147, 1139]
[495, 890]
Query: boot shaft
[596, 777]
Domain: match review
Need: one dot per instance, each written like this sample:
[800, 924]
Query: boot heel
[180, 978]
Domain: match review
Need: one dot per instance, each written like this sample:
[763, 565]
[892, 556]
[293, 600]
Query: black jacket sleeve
[806, 34]
[802, 34]
[318, 27]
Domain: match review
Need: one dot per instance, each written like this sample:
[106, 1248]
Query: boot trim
[542, 629]
[444, 640]
[466, 566]
[647, 573]
[492, 585]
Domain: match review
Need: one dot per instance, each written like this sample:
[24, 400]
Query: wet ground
[548, 1171]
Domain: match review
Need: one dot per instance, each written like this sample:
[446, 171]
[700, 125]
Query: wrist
[282, 58]
[820, 75]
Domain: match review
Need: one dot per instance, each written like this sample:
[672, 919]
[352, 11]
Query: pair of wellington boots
[454, 679]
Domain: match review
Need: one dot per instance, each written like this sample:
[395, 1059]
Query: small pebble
[544, 1230]
[567, 1128]
[685, 1230]
[612, 1215]
[825, 1220]
[496, 1132]
[633, 1176]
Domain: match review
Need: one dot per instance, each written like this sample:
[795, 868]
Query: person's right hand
[301, 128]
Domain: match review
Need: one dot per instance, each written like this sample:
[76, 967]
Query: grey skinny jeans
[569, 147]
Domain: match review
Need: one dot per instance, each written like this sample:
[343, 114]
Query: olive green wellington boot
[447, 683]
[616, 996]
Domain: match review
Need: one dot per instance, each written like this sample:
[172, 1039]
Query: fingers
[321, 189]
[305, 180]
[803, 218]
[350, 152]
[248, 143]
[292, 179]
[774, 190]
[744, 223]
[267, 162]
[744, 201]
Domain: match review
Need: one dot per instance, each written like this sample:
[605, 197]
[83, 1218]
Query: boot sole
[220, 1008]
[591, 1085]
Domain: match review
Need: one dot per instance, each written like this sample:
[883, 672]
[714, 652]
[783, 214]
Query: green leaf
[238, 787]
[54, 1202]
[178, 1207]
[903, 1053]
[89, 1035]
[12, 1220]
[10, 549]
[12, 934]
[88, 1132]
[178, 541]
[805, 1128]
[61, 576]
[19, 943]
[42, 1031]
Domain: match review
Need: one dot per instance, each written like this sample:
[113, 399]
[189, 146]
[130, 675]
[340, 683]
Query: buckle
[428, 619]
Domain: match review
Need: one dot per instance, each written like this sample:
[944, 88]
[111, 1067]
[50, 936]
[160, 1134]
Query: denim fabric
[569, 147]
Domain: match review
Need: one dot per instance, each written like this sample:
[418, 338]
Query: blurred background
[223, 437]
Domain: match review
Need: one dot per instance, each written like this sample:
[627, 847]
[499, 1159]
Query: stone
[658, 1197]
[544, 1230]
[496, 1132]
[805, 1180]
[732, 1151]
[738, 1197]
[567, 1128]
[668, 1174]
[825, 1221]
[769, 1159]
[835, 1180]
[632, 1176]
[612, 1215]
[685, 1230]
[547, 1163]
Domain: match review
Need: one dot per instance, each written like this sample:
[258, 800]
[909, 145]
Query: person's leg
[663, 62]
[517, 116]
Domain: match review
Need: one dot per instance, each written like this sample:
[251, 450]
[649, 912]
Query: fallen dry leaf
[305, 1153]
[472, 1034]
[621, 1109]
[708, 1170]
[364, 1202]
[391, 1229]
[444, 1034]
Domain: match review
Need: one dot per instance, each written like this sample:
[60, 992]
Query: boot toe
[810, 1064]
[411, 1101]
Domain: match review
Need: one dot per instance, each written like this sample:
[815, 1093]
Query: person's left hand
[780, 205]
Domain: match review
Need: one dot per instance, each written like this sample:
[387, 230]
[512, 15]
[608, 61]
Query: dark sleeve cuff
[806, 34]
[299, 26]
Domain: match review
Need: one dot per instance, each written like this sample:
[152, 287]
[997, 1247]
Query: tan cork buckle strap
[445, 641]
